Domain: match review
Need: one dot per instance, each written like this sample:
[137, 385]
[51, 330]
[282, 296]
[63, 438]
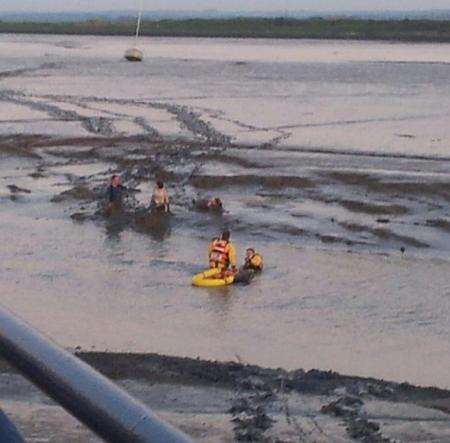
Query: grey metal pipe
[8, 432]
[97, 402]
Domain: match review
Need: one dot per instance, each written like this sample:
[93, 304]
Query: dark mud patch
[351, 411]
[330, 239]
[197, 126]
[39, 173]
[98, 125]
[383, 234]
[79, 192]
[299, 215]
[274, 182]
[250, 410]
[157, 224]
[386, 234]
[354, 227]
[18, 190]
[179, 370]
[284, 229]
[405, 136]
[398, 188]
[372, 208]
[439, 223]
[232, 160]
[80, 216]
[348, 178]
[21, 145]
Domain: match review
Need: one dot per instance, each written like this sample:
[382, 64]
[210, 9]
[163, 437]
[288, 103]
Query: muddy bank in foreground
[225, 402]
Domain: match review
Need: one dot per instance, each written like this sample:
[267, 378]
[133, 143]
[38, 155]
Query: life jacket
[219, 253]
[250, 262]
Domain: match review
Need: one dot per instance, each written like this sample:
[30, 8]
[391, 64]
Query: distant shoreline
[274, 28]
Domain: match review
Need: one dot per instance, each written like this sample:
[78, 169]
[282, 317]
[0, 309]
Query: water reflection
[156, 225]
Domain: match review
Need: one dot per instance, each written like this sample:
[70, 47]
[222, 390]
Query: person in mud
[160, 198]
[222, 254]
[253, 265]
[214, 205]
[253, 261]
[114, 193]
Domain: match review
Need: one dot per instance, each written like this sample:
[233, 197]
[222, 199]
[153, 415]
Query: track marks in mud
[24, 71]
[93, 125]
[262, 395]
[351, 411]
[104, 126]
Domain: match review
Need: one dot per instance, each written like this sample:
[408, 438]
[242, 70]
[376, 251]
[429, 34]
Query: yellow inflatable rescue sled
[206, 279]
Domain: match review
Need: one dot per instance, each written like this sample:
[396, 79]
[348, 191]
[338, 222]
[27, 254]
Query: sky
[224, 5]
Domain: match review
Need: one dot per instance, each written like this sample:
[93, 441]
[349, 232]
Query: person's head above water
[159, 184]
[115, 180]
[226, 235]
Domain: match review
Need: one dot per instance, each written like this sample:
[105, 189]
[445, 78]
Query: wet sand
[344, 165]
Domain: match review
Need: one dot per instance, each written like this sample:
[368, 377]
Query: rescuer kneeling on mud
[222, 254]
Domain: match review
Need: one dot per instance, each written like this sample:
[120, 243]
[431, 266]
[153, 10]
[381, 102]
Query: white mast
[138, 26]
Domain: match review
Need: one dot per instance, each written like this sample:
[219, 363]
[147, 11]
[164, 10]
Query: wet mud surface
[202, 143]
[254, 403]
[314, 207]
[349, 211]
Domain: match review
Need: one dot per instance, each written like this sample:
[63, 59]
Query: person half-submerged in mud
[253, 265]
[160, 198]
[115, 193]
[213, 205]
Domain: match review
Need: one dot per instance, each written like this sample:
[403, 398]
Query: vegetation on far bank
[316, 28]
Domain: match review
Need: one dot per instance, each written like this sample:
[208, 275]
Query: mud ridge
[384, 234]
[392, 188]
[372, 208]
[281, 181]
[351, 411]
[180, 370]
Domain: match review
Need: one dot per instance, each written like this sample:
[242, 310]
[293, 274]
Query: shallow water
[340, 158]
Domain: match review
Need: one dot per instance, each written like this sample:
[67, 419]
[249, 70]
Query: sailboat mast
[138, 27]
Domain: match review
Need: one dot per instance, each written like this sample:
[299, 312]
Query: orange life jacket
[219, 253]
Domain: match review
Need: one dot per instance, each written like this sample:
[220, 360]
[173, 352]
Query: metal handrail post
[97, 402]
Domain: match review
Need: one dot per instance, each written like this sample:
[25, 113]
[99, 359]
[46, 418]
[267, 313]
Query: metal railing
[8, 432]
[102, 406]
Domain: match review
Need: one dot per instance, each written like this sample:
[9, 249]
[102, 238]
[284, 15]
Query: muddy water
[331, 158]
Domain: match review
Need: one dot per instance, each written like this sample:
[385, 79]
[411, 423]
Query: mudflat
[331, 159]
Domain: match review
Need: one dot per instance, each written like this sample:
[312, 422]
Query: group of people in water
[115, 192]
[221, 251]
